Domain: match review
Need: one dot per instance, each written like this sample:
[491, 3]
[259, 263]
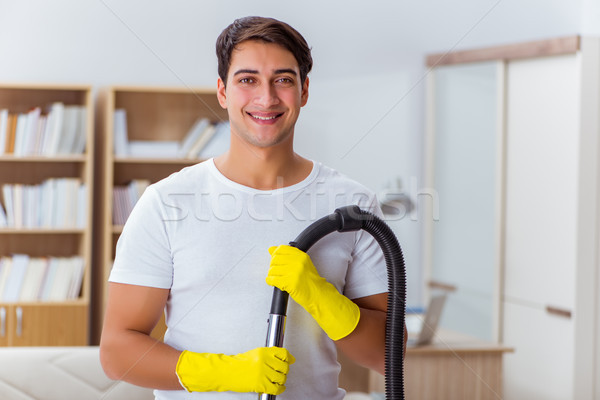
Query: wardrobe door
[541, 226]
[542, 175]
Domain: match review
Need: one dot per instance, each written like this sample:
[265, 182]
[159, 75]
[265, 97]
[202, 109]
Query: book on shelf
[20, 132]
[120, 133]
[70, 128]
[153, 148]
[202, 141]
[61, 282]
[55, 203]
[60, 130]
[199, 136]
[24, 278]
[218, 143]
[30, 132]
[82, 196]
[125, 198]
[34, 276]
[11, 133]
[77, 272]
[47, 284]
[56, 117]
[15, 278]
[8, 205]
[5, 267]
[3, 130]
[198, 129]
[3, 219]
[17, 200]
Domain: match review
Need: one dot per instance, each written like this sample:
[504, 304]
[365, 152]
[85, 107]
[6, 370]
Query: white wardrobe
[513, 144]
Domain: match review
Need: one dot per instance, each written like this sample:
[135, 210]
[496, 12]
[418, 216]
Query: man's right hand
[261, 370]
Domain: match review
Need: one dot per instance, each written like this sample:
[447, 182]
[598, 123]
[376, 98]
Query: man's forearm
[137, 358]
[366, 344]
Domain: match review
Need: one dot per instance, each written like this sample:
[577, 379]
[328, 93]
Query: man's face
[264, 94]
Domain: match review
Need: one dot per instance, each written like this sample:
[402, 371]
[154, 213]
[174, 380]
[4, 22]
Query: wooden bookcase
[153, 113]
[38, 323]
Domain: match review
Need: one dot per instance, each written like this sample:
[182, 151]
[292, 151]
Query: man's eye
[286, 81]
[246, 80]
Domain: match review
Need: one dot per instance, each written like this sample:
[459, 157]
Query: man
[196, 243]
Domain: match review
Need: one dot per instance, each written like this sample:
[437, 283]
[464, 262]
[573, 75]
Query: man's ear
[221, 94]
[304, 95]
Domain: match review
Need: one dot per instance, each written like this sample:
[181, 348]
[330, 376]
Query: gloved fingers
[278, 368]
[283, 354]
[277, 360]
[286, 260]
[292, 259]
[278, 355]
[277, 377]
[286, 250]
[282, 273]
[273, 388]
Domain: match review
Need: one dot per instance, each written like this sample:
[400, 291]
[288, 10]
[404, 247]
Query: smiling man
[214, 275]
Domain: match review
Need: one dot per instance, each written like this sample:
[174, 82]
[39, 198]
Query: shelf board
[149, 160]
[42, 231]
[79, 158]
[71, 302]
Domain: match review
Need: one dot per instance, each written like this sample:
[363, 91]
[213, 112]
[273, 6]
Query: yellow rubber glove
[261, 370]
[292, 271]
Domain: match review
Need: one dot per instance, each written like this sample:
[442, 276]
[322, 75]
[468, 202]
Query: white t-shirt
[205, 238]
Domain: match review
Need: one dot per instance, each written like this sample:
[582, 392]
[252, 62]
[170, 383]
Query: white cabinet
[546, 202]
[551, 222]
[542, 364]
[541, 179]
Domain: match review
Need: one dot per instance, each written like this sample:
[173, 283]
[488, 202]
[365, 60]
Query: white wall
[365, 114]
[366, 127]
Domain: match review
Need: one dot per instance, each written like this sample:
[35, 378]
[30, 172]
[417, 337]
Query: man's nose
[266, 96]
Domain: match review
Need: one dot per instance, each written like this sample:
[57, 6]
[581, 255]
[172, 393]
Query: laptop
[421, 329]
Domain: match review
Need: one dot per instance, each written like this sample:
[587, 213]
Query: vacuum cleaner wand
[346, 219]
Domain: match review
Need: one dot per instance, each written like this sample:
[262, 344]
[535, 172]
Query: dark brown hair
[267, 30]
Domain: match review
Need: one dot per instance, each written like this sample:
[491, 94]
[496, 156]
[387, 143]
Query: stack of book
[59, 130]
[125, 197]
[204, 139]
[55, 203]
[24, 278]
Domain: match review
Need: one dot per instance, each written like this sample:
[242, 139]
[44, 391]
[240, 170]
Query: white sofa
[60, 373]
[65, 373]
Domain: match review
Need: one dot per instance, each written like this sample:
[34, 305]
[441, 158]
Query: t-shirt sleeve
[367, 272]
[143, 254]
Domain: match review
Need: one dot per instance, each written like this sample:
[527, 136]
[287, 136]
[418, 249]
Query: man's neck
[263, 169]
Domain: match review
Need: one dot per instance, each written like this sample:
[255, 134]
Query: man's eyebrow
[285, 71]
[277, 71]
[245, 71]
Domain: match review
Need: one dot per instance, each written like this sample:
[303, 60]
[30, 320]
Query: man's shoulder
[334, 177]
[185, 178]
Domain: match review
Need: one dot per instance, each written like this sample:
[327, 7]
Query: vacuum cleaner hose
[346, 219]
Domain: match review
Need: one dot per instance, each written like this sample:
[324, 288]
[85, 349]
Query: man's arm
[366, 344]
[127, 352]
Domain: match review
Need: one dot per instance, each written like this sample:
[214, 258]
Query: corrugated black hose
[345, 219]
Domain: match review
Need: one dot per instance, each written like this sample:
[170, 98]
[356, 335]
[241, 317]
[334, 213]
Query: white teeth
[264, 118]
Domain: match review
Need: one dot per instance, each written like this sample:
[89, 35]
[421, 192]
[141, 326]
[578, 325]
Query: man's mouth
[265, 116]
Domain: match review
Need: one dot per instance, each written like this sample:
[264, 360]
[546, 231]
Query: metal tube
[275, 332]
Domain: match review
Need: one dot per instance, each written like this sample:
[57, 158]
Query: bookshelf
[38, 320]
[152, 114]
